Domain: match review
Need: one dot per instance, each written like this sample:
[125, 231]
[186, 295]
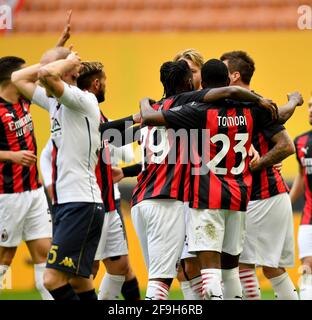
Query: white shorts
[24, 216]
[269, 233]
[305, 241]
[185, 253]
[160, 226]
[113, 242]
[216, 230]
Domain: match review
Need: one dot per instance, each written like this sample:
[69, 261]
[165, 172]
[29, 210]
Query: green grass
[34, 295]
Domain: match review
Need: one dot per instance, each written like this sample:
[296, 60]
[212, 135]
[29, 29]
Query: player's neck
[9, 93]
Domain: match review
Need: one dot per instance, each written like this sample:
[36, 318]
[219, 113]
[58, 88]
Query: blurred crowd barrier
[158, 15]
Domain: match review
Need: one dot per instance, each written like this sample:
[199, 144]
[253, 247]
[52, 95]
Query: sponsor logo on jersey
[56, 129]
[22, 125]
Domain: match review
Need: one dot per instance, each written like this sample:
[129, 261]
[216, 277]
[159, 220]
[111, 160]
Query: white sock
[192, 289]
[284, 288]
[156, 290]
[250, 284]
[39, 271]
[110, 287]
[3, 270]
[306, 287]
[212, 289]
[232, 286]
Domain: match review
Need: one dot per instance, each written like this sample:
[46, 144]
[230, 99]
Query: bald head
[54, 54]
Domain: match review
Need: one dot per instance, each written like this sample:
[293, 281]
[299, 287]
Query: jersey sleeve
[132, 171]
[46, 164]
[297, 151]
[187, 97]
[265, 124]
[78, 100]
[40, 98]
[188, 117]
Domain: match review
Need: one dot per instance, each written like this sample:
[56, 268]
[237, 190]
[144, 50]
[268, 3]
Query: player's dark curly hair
[175, 77]
[240, 61]
[8, 65]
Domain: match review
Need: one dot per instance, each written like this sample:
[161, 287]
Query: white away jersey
[75, 135]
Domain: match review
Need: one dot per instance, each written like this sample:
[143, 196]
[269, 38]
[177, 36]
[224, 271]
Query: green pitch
[34, 295]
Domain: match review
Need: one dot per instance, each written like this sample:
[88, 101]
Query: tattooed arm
[283, 147]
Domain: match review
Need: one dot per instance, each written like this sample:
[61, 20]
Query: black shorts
[77, 228]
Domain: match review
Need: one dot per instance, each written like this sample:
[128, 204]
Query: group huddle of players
[210, 204]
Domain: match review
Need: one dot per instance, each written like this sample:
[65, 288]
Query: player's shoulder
[84, 95]
[91, 98]
[243, 104]
[191, 106]
[302, 135]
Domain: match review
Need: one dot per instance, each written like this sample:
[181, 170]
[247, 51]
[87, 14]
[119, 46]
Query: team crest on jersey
[4, 235]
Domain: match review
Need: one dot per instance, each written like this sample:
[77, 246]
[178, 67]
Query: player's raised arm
[283, 147]
[66, 32]
[149, 116]
[25, 80]
[50, 74]
[285, 112]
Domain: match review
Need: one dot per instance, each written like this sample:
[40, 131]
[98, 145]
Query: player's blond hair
[192, 55]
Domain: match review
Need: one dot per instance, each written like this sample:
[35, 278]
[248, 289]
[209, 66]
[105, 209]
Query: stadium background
[133, 49]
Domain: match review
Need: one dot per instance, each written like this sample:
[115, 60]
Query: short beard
[100, 97]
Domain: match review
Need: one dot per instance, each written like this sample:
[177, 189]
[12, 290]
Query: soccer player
[164, 186]
[112, 249]
[195, 61]
[78, 211]
[270, 203]
[219, 196]
[24, 213]
[189, 271]
[302, 185]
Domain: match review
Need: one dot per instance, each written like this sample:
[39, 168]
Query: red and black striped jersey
[17, 133]
[104, 176]
[220, 177]
[267, 182]
[164, 173]
[303, 144]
